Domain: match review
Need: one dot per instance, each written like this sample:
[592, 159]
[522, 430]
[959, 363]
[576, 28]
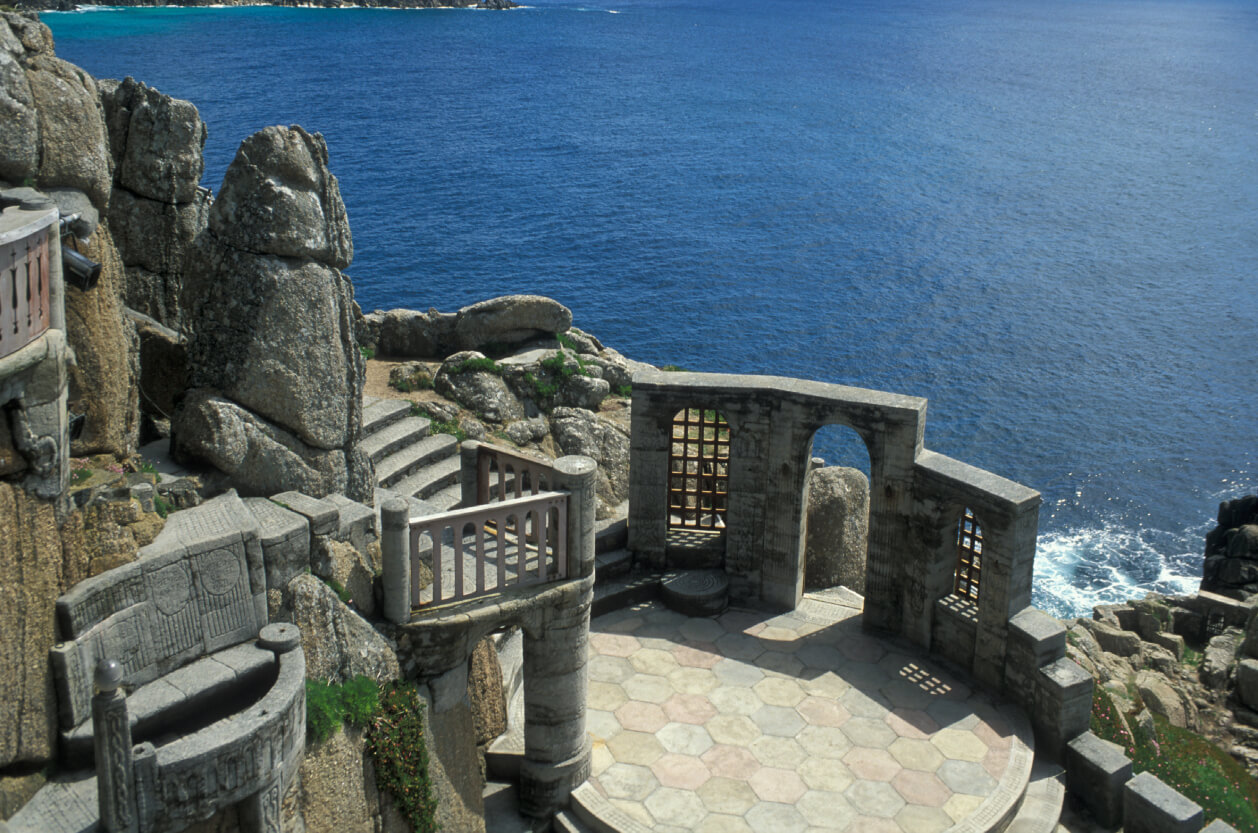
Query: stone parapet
[1150, 806]
[1096, 771]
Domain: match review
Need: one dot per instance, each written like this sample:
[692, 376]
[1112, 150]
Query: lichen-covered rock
[260, 458]
[275, 336]
[1113, 640]
[1247, 683]
[838, 528]
[1218, 659]
[484, 689]
[279, 198]
[339, 644]
[350, 568]
[338, 788]
[481, 391]
[19, 124]
[30, 572]
[1159, 697]
[156, 141]
[511, 319]
[578, 431]
[72, 145]
[1250, 646]
[154, 240]
[1231, 563]
[411, 334]
[104, 380]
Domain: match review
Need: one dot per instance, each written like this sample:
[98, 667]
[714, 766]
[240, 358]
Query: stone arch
[836, 509]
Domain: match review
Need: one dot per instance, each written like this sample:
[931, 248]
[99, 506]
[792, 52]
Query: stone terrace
[789, 723]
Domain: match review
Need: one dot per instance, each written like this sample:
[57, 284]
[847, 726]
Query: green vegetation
[1192, 656]
[1184, 760]
[331, 705]
[449, 426]
[341, 592]
[162, 506]
[398, 746]
[672, 368]
[369, 353]
[481, 365]
[419, 380]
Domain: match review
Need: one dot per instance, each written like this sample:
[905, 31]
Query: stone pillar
[556, 746]
[648, 477]
[575, 475]
[1063, 706]
[395, 553]
[115, 772]
[469, 457]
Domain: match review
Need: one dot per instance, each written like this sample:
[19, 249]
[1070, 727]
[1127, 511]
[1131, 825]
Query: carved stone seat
[216, 714]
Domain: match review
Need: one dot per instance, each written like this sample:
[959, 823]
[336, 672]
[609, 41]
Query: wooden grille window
[698, 470]
[969, 556]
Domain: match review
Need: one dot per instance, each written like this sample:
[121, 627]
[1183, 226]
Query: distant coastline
[71, 5]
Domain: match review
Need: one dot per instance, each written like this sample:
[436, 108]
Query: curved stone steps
[378, 413]
[407, 470]
[395, 436]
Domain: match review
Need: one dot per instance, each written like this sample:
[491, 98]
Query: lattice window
[969, 556]
[698, 470]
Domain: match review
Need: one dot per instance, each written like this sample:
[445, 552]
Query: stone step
[449, 498]
[381, 412]
[566, 821]
[1040, 810]
[610, 565]
[395, 436]
[424, 482]
[624, 591]
[696, 592]
[593, 809]
[502, 810]
[398, 465]
[612, 533]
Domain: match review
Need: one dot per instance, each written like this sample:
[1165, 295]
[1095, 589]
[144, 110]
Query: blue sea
[1043, 217]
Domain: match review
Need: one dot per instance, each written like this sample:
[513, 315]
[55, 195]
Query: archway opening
[836, 540]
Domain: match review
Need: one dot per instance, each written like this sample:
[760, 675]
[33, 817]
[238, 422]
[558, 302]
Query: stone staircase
[410, 460]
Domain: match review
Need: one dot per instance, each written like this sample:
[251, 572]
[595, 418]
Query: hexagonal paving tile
[696, 656]
[735, 762]
[685, 738]
[966, 777]
[732, 672]
[647, 688]
[654, 661]
[602, 724]
[959, 745]
[822, 711]
[960, 806]
[953, 714]
[785, 753]
[778, 662]
[921, 819]
[860, 704]
[778, 720]
[866, 731]
[733, 729]
[677, 807]
[732, 700]
[740, 646]
[824, 741]
[775, 784]
[606, 696]
[641, 717]
[874, 798]
[727, 795]
[628, 781]
[772, 817]
[701, 630]
[916, 754]
[825, 809]
[635, 748]
[911, 723]
[901, 694]
[779, 691]
[922, 788]
[826, 775]
[860, 648]
[614, 644]
[689, 708]
[609, 669]
[821, 657]
[721, 823]
[693, 680]
[828, 684]
[872, 764]
[685, 772]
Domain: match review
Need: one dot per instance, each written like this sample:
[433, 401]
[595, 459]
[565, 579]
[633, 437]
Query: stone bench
[213, 716]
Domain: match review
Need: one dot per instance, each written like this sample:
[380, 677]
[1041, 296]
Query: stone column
[556, 746]
[111, 736]
[469, 457]
[575, 475]
[395, 553]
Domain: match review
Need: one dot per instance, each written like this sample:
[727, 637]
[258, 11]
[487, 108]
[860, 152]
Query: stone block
[1125, 643]
[1150, 806]
[1063, 705]
[1172, 642]
[1247, 682]
[1218, 826]
[1096, 771]
[323, 515]
[285, 537]
[356, 523]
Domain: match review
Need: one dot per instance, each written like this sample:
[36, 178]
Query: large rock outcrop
[838, 528]
[157, 207]
[1231, 565]
[497, 323]
[271, 326]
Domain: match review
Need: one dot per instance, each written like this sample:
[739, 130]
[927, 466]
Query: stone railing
[26, 276]
[519, 541]
[501, 474]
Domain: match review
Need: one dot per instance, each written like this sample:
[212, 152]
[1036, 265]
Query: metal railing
[489, 548]
[502, 475]
[25, 279]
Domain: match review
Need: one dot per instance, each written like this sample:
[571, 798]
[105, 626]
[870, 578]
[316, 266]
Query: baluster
[501, 524]
[542, 520]
[480, 559]
[437, 544]
[458, 540]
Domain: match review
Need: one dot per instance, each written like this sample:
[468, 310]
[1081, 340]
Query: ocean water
[1042, 217]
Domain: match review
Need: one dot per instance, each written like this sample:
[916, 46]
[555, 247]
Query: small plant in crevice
[672, 368]
[449, 426]
[338, 589]
[329, 706]
[369, 353]
[480, 365]
[398, 744]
